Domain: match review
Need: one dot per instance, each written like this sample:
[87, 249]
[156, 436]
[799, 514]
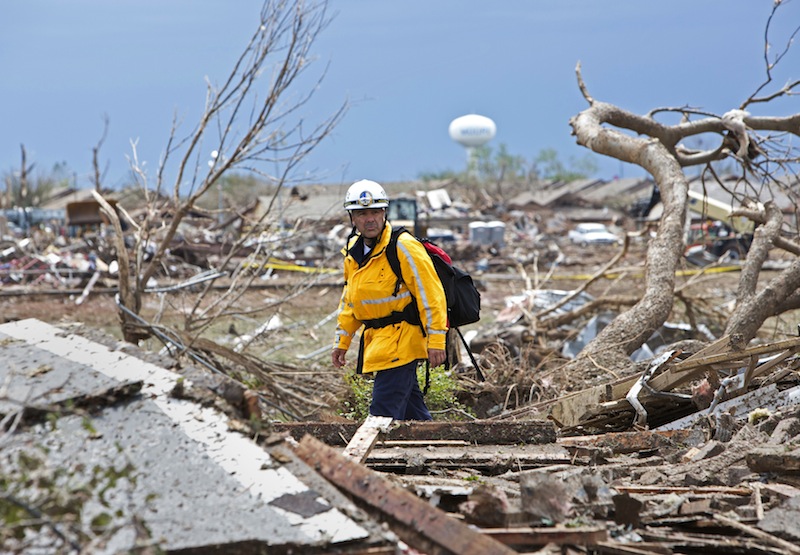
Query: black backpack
[463, 299]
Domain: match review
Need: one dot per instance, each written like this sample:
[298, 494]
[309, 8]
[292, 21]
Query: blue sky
[408, 68]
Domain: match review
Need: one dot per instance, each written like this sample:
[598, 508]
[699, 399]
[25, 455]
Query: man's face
[369, 222]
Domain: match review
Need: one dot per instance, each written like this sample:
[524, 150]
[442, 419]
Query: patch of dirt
[97, 311]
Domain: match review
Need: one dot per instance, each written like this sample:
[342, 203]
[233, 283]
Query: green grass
[440, 397]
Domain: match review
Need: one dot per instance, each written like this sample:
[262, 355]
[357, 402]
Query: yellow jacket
[368, 294]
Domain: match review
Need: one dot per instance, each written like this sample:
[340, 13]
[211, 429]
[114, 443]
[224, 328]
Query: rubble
[489, 486]
[694, 448]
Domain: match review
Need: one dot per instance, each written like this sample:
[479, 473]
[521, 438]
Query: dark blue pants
[396, 393]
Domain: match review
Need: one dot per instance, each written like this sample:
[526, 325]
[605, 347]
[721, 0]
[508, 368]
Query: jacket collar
[356, 249]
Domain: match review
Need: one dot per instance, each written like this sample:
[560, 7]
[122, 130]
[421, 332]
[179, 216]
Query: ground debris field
[694, 449]
[714, 484]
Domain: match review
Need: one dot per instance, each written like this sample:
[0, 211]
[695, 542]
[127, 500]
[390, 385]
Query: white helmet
[365, 194]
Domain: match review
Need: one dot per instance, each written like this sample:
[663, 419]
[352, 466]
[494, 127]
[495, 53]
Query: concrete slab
[192, 481]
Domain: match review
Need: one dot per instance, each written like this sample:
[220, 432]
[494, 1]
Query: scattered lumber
[608, 407]
[422, 526]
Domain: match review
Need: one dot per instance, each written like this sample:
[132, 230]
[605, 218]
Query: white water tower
[472, 131]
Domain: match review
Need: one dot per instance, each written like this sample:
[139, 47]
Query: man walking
[402, 326]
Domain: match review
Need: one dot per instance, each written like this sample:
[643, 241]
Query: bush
[440, 398]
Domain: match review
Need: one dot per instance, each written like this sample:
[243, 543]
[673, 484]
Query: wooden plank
[751, 366]
[714, 348]
[634, 442]
[698, 490]
[761, 370]
[639, 548]
[440, 459]
[696, 361]
[366, 436]
[784, 490]
[757, 533]
[425, 443]
[525, 536]
[701, 506]
[489, 432]
[419, 524]
[703, 543]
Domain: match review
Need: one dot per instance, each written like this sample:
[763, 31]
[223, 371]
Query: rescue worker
[392, 344]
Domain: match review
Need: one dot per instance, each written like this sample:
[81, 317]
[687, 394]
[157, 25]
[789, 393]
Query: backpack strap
[394, 264]
[391, 255]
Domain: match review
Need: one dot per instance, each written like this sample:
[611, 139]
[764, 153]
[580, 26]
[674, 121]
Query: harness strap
[410, 314]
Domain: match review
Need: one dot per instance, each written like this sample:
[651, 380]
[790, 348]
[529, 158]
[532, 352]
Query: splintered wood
[366, 436]
[417, 522]
[732, 369]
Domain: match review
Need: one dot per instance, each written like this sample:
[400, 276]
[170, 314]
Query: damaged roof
[195, 483]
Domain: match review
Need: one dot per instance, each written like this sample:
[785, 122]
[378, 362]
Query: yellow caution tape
[298, 268]
[274, 264]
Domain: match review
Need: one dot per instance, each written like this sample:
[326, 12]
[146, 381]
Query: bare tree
[25, 187]
[97, 174]
[761, 148]
[252, 122]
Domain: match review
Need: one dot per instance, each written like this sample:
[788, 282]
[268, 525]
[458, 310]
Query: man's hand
[337, 357]
[436, 357]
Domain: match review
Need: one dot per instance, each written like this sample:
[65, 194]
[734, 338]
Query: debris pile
[694, 448]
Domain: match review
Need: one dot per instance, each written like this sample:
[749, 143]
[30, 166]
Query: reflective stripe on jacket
[368, 294]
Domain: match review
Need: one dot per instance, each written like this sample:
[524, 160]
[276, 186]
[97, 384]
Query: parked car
[586, 234]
